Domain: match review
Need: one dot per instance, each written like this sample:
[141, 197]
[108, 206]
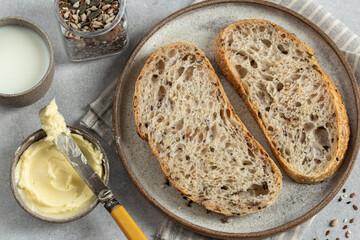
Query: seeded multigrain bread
[295, 103]
[203, 148]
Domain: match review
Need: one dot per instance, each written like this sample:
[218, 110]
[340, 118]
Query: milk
[24, 59]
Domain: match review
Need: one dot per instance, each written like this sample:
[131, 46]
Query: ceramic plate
[199, 24]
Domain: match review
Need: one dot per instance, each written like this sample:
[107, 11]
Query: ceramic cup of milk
[26, 62]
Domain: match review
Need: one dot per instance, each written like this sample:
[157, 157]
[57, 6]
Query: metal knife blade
[68, 147]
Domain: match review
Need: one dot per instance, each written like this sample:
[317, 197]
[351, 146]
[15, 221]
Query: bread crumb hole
[242, 53]
[297, 104]
[241, 71]
[228, 113]
[279, 86]
[308, 126]
[160, 65]
[322, 136]
[251, 154]
[180, 124]
[317, 161]
[256, 190]
[253, 64]
[299, 53]
[267, 109]
[262, 29]
[247, 163]
[295, 76]
[314, 117]
[160, 119]
[270, 128]
[287, 151]
[282, 49]
[154, 77]
[266, 42]
[189, 72]
[161, 93]
[180, 71]
[172, 53]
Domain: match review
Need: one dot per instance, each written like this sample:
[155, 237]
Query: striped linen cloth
[99, 116]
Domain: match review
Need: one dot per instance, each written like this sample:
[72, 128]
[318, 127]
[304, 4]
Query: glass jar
[81, 46]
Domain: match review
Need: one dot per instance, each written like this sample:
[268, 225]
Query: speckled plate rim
[209, 232]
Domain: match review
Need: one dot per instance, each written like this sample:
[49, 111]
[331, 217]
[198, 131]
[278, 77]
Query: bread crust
[275, 169]
[343, 128]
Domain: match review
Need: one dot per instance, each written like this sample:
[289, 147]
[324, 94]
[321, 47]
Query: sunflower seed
[87, 2]
[93, 8]
[66, 14]
[98, 23]
[76, 5]
[105, 7]
[73, 25]
[75, 17]
[107, 25]
[109, 19]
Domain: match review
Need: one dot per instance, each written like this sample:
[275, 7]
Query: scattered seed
[334, 222]
[345, 227]
[327, 232]
[352, 220]
[344, 190]
[338, 239]
[355, 207]
[345, 220]
[352, 195]
[223, 221]
[347, 234]
[348, 202]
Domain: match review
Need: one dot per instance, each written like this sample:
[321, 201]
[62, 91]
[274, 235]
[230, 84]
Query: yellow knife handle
[125, 222]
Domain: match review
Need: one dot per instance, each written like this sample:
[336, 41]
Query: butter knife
[67, 146]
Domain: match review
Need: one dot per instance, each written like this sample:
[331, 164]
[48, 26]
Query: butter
[46, 181]
[52, 121]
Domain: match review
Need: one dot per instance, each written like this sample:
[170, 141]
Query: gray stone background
[75, 86]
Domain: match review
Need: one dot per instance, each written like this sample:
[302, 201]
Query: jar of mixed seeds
[92, 29]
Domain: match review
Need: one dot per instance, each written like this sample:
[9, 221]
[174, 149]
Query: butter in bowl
[45, 184]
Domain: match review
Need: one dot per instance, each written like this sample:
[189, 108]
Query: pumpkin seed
[65, 5]
[73, 1]
[82, 8]
[95, 14]
[94, 3]
[108, 1]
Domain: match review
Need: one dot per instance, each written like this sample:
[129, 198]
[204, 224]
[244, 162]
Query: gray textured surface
[75, 86]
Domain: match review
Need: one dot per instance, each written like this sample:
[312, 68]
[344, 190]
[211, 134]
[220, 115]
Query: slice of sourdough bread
[203, 148]
[295, 103]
